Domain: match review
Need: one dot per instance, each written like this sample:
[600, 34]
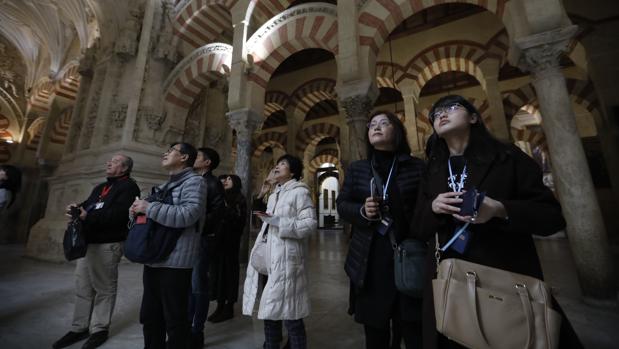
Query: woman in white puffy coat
[288, 222]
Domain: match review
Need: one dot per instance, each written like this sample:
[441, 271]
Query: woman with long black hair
[226, 268]
[463, 156]
[379, 189]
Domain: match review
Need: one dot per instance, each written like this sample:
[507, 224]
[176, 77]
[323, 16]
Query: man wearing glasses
[167, 284]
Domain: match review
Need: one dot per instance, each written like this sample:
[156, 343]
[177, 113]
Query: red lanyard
[105, 191]
[107, 188]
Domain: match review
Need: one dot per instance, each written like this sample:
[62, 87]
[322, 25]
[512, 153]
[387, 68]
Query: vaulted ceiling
[48, 34]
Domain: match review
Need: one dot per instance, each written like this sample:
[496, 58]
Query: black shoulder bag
[408, 257]
[148, 241]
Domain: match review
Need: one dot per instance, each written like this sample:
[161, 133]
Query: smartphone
[471, 201]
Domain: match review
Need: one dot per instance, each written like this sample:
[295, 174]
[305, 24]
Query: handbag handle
[471, 278]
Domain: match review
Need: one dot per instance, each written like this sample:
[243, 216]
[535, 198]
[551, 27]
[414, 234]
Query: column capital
[244, 121]
[541, 52]
[356, 107]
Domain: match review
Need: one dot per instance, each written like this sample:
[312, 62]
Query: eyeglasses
[382, 124]
[446, 109]
[171, 150]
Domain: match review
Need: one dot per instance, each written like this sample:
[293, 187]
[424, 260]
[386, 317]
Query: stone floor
[37, 302]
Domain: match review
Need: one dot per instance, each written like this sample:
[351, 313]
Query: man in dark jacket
[104, 217]
[206, 162]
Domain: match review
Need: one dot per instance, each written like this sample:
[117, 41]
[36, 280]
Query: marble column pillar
[357, 109]
[410, 122]
[244, 122]
[499, 126]
[585, 228]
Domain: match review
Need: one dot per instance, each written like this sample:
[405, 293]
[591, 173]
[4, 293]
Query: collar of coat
[291, 184]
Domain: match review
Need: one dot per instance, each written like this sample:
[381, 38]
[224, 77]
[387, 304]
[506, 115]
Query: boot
[217, 312]
[227, 313]
[197, 340]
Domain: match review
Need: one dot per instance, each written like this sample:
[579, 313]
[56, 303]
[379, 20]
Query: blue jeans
[199, 298]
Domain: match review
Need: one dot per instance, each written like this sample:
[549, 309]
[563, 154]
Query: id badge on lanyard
[462, 235]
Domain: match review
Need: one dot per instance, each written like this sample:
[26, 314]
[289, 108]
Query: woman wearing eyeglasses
[378, 199]
[462, 155]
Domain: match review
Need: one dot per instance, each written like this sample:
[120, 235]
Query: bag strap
[471, 281]
[471, 294]
[528, 312]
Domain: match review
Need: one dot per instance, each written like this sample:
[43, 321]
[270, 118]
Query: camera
[74, 211]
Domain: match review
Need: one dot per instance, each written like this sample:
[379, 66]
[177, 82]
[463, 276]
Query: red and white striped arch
[322, 158]
[378, 18]
[582, 92]
[69, 83]
[311, 93]
[313, 134]
[35, 132]
[533, 135]
[388, 73]
[269, 139]
[263, 10]
[275, 101]
[195, 72]
[302, 27]
[61, 127]
[463, 56]
[202, 22]
[5, 135]
[40, 99]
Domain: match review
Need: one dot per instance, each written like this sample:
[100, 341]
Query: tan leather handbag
[483, 307]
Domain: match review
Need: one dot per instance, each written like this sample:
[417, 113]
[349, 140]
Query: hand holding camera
[372, 207]
[73, 212]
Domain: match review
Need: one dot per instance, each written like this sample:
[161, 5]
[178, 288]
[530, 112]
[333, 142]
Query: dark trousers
[381, 338]
[273, 334]
[199, 294]
[164, 307]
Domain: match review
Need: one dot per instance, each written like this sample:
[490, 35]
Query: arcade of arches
[254, 79]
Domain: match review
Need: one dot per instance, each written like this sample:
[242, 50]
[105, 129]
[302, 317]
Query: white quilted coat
[285, 296]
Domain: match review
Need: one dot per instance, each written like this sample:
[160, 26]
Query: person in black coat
[462, 155]
[206, 162]
[226, 270]
[374, 299]
[104, 218]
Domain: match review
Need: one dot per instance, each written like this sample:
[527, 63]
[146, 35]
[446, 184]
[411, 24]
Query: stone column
[292, 128]
[357, 109]
[85, 70]
[585, 228]
[244, 122]
[410, 122]
[499, 127]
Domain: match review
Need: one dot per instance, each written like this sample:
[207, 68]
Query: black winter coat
[369, 263]
[512, 178]
[215, 205]
[109, 223]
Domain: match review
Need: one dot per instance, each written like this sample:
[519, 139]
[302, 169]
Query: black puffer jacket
[109, 223]
[355, 190]
[374, 299]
